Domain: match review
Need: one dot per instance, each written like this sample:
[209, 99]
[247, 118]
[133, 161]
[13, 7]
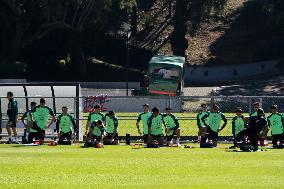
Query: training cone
[136, 146]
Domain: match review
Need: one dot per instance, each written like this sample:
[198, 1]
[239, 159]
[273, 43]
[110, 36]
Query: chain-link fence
[186, 109]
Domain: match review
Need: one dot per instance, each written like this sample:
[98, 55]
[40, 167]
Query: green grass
[124, 167]
[188, 126]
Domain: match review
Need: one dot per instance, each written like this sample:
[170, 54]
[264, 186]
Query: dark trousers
[32, 136]
[66, 136]
[252, 135]
[276, 138]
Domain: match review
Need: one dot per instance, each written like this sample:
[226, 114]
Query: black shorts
[276, 138]
[32, 136]
[64, 136]
[145, 138]
[109, 135]
[11, 124]
[212, 135]
[170, 137]
[40, 132]
[97, 138]
[157, 137]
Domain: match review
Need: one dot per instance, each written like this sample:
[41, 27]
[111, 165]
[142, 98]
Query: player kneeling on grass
[275, 122]
[31, 134]
[172, 127]
[201, 129]
[263, 133]
[93, 116]
[98, 131]
[144, 118]
[239, 123]
[155, 128]
[257, 125]
[39, 117]
[215, 117]
[65, 123]
[111, 128]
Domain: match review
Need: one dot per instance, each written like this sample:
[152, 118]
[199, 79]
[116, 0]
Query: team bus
[165, 75]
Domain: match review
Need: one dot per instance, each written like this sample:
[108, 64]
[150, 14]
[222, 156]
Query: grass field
[124, 167]
[188, 123]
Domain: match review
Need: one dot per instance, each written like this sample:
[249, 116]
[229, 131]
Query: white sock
[177, 140]
[27, 135]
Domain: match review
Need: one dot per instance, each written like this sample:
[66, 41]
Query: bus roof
[167, 59]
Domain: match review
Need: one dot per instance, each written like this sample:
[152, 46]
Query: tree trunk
[78, 62]
[178, 41]
[10, 38]
[134, 20]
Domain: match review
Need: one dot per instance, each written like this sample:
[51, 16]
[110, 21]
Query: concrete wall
[207, 74]
[110, 85]
[132, 104]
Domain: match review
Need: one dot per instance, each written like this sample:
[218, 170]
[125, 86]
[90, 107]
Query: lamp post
[127, 30]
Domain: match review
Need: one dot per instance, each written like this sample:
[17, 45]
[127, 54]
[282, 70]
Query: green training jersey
[96, 116]
[199, 121]
[41, 115]
[171, 123]
[111, 123]
[156, 124]
[98, 130]
[214, 120]
[238, 125]
[65, 123]
[275, 121]
[12, 110]
[28, 119]
[255, 114]
[144, 118]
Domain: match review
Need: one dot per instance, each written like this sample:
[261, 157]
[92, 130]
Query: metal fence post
[0, 118]
[249, 104]
[77, 110]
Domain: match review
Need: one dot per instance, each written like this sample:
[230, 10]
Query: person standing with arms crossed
[144, 118]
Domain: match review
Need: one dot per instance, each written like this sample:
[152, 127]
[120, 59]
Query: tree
[193, 11]
[29, 23]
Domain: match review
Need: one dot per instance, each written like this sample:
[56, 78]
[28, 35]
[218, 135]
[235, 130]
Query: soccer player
[93, 116]
[98, 131]
[256, 106]
[65, 123]
[275, 122]
[238, 125]
[172, 126]
[39, 117]
[144, 118]
[111, 128]
[215, 117]
[201, 129]
[155, 128]
[257, 124]
[31, 134]
[12, 113]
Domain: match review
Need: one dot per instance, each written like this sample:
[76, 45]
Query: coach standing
[12, 113]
